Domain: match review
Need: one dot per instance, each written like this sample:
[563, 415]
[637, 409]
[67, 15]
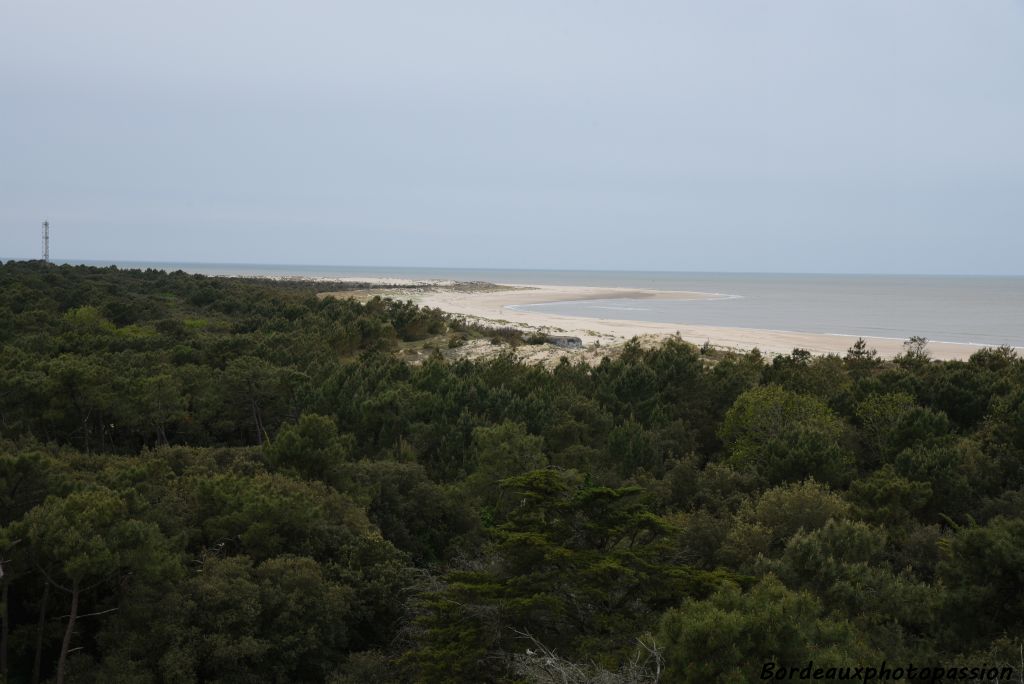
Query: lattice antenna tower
[46, 242]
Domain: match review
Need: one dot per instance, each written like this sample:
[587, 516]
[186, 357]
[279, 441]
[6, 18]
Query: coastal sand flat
[492, 307]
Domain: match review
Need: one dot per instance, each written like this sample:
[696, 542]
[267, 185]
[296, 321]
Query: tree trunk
[38, 662]
[5, 631]
[259, 423]
[68, 633]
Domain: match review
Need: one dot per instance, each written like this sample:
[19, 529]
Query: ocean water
[980, 310]
[984, 311]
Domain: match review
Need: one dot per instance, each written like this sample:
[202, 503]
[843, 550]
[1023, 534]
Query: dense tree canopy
[230, 480]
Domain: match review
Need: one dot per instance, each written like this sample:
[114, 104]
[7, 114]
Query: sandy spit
[492, 307]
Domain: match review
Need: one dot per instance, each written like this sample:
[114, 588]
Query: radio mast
[46, 242]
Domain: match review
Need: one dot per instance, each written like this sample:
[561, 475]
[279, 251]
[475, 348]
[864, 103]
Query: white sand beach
[492, 307]
[490, 304]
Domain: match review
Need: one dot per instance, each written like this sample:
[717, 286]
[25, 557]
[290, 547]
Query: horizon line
[116, 262]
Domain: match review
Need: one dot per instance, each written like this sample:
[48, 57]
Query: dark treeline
[216, 480]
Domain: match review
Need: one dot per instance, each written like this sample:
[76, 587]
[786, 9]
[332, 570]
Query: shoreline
[499, 307]
[497, 304]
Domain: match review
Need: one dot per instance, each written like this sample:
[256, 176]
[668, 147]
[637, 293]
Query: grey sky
[849, 136]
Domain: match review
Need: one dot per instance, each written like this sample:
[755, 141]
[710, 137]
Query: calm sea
[971, 309]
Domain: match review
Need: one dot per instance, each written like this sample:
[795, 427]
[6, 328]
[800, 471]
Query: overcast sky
[782, 135]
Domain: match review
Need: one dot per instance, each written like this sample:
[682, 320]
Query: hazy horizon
[131, 263]
[735, 137]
